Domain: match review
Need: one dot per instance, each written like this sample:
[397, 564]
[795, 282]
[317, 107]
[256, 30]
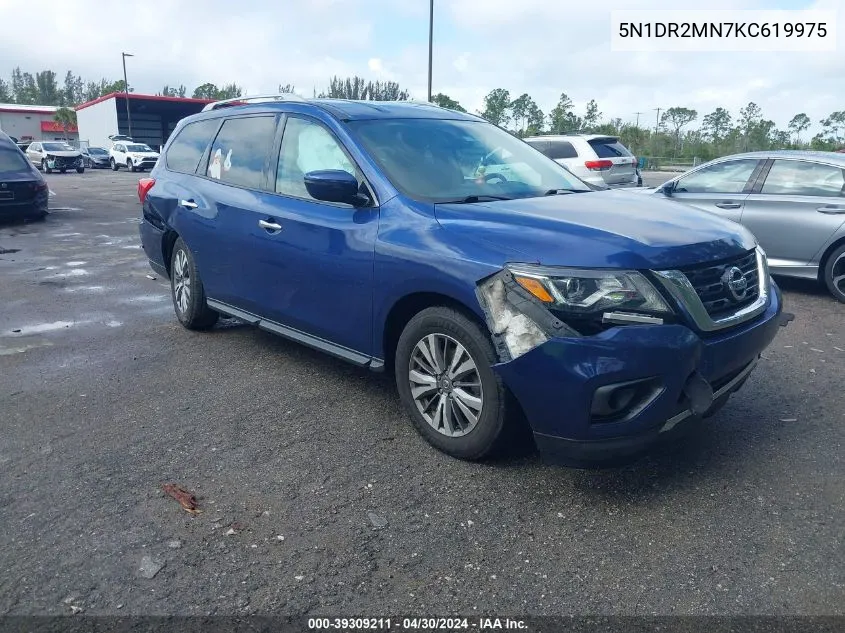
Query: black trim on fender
[344, 353]
[158, 268]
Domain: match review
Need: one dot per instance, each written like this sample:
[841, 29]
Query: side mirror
[333, 185]
[668, 188]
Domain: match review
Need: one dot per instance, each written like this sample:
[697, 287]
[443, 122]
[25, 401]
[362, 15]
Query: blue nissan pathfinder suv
[494, 284]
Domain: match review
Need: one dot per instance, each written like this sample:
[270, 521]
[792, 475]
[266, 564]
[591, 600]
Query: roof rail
[226, 103]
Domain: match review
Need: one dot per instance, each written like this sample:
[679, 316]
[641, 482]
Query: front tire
[130, 166]
[80, 170]
[187, 291]
[444, 375]
[114, 165]
[834, 273]
[44, 167]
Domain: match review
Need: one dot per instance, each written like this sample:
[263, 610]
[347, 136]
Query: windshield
[11, 160]
[57, 147]
[137, 147]
[97, 150]
[440, 160]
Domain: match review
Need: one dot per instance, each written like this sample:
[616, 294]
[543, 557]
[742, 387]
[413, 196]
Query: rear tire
[452, 413]
[187, 291]
[834, 273]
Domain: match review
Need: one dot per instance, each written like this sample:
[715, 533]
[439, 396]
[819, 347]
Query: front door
[720, 188]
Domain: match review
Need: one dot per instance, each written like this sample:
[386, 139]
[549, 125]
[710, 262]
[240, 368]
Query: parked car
[133, 156]
[96, 157]
[50, 155]
[367, 232]
[23, 145]
[792, 201]
[595, 158]
[23, 191]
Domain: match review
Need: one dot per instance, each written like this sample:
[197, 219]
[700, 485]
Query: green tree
[107, 87]
[5, 92]
[834, 126]
[229, 91]
[24, 87]
[167, 91]
[591, 116]
[519, 112]
[445, 101]
[287, 89]
[66, 118]
[74, 90]
[206, 91]
[359, 89]
[497, 105]
[676, 118]
[798, 124]
[561, 118]
[536, 120]
[717, 125]
[749, 117]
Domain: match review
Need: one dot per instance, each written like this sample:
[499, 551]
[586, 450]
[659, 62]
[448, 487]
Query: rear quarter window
[185, 152]
[608, 148]
[561, 149]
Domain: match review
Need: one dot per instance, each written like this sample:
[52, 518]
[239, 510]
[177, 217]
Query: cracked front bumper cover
[555, 381]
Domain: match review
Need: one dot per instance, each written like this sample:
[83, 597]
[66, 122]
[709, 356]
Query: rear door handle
[831, 209]
[188, 204]
[269, 226]
[728, 205]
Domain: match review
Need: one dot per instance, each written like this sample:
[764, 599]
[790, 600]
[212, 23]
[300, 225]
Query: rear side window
[240, 151]
[608, 148]
[185, 152]
[560, 149]
[799, 178]
[11, 160]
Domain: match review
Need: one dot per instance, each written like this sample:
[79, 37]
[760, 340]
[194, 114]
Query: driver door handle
[188, 204]
[831, 209]
[728, 205]
[270, 226]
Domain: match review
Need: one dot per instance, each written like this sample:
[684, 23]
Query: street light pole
[430, 43]
[126, 93]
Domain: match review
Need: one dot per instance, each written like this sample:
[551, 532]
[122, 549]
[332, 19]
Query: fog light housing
[621, 401]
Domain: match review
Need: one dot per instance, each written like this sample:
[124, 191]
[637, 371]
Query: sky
[539, 47]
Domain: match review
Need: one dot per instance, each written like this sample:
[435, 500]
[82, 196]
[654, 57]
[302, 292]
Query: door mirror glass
[668, 188]
[333, 185]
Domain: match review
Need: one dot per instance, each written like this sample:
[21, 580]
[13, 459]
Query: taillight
[598, 165]
[144, 186]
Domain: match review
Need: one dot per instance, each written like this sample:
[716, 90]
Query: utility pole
[430, 43]
[657, 120]
[637, 124]
[126, 92]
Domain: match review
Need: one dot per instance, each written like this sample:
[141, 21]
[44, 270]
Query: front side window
[308, 146]
[800, 178]
[440, 160]
[185, 152]
[240, 150]
[726, 177]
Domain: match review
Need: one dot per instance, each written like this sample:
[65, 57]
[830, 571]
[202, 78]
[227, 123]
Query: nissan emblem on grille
[735, 282]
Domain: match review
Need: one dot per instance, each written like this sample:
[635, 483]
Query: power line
[637, 124]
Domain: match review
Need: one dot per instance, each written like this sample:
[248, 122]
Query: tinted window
[727, 177]
[308, 146]
[608, 148]
[798, 178]
[187, 148]
[560, 149]
[439, 160]
[11, 160]
[240, 150]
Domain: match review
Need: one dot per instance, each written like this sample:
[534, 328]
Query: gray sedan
[793, 202]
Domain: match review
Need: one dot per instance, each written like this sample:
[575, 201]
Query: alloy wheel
[445, 385]
[837, 273]
[181, 281]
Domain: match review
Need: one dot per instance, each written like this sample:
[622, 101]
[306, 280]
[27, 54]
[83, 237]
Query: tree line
[674, 133]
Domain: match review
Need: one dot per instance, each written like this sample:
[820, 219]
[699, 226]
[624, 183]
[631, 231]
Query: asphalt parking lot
[318, 497]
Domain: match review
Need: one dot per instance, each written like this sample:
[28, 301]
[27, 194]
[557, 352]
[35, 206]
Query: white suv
[597, 159]
[133, 156]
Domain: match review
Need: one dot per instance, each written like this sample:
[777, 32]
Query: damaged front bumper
[669, 375]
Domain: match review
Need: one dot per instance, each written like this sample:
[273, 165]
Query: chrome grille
[714, 292]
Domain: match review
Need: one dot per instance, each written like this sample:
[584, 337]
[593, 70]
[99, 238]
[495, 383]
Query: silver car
[793, 202]
[598, 159]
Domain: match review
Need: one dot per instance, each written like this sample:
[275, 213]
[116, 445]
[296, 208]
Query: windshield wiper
[554, 192]
[475, 198]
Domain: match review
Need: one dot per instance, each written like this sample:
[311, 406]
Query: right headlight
[585, 293]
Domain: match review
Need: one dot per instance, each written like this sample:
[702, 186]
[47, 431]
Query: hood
[150, 154]
[63, 153]
[602, 229]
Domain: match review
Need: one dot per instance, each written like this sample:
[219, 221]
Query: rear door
[795, 209]
[623, 164]
[719, 188]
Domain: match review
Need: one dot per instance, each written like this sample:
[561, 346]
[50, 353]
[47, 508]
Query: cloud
[534, 46]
